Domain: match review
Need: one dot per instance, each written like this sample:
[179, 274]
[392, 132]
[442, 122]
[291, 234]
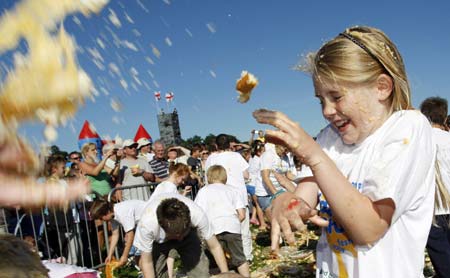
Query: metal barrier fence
[68, 234]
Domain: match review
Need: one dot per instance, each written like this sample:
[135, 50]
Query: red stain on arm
[293, 203]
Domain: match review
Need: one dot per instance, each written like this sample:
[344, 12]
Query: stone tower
[169, 128]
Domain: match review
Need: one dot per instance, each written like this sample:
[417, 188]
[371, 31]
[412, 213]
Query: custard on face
[355, 111]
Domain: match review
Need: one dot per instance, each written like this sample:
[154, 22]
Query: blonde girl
[372, 167]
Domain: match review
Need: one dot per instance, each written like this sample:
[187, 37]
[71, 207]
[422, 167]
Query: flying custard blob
[45, 83]
[245, 85]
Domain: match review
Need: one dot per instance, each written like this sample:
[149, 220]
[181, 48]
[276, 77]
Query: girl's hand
[290, 211]
[289, 134]
[187, 189]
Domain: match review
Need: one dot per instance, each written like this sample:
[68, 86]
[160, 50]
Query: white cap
[143, 142]
[128, 143]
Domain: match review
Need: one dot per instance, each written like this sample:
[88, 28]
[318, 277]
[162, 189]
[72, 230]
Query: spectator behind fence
[159, 163]
[195, 164]
[59, 222]
[125, 214]
[145, 149]
[225, 211]
[134, 170]
[372, 166]
[177, 154]
[438, 245]
[112, 165]
[94, 170]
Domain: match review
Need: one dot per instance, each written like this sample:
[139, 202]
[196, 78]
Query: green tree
[191, 141]
[209, 139]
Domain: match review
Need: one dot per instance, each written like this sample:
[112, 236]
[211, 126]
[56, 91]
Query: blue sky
[200, 65]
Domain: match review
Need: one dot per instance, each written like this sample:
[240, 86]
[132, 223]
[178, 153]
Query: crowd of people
[376, 179]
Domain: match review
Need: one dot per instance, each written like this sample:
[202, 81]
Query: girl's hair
[216, 174]
[85, 148]
[358, 56]
[178, 169]
[52, 162]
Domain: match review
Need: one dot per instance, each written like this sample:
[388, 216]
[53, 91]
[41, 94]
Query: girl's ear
[385, 86]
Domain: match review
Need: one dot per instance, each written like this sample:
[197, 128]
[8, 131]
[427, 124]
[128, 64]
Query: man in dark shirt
[195, 163]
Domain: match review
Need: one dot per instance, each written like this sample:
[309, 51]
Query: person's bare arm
[241, 214]
[284, 181]
[184, 150]
[91, 170]
[146, 264]
[114, 240]
[246, 175]
[265, 174]
[364, 220]
[129, 237]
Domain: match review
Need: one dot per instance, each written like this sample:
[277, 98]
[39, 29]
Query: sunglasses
[76, 158]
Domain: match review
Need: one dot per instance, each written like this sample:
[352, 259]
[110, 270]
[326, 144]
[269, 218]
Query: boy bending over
[171, 221]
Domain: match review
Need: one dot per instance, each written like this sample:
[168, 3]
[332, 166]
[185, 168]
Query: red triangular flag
[142, 133]
[87, 132]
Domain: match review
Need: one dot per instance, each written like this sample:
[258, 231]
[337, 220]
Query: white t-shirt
[148, 229]
[235, 165]
[164, 188]
[254, 171]
[127, 214]
[442, 140]
[396, 162]
[271, 161]
[220, 202]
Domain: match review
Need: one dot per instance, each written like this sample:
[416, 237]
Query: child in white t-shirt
[178, 173]
[372, 166]
[225, 210]
[126, 214]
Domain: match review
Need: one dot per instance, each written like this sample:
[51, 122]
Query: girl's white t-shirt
[396, 162]
[164, 188]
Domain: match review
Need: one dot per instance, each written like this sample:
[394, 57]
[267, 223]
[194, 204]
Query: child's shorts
[264, 201]
[251, 189]
[232, 244]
